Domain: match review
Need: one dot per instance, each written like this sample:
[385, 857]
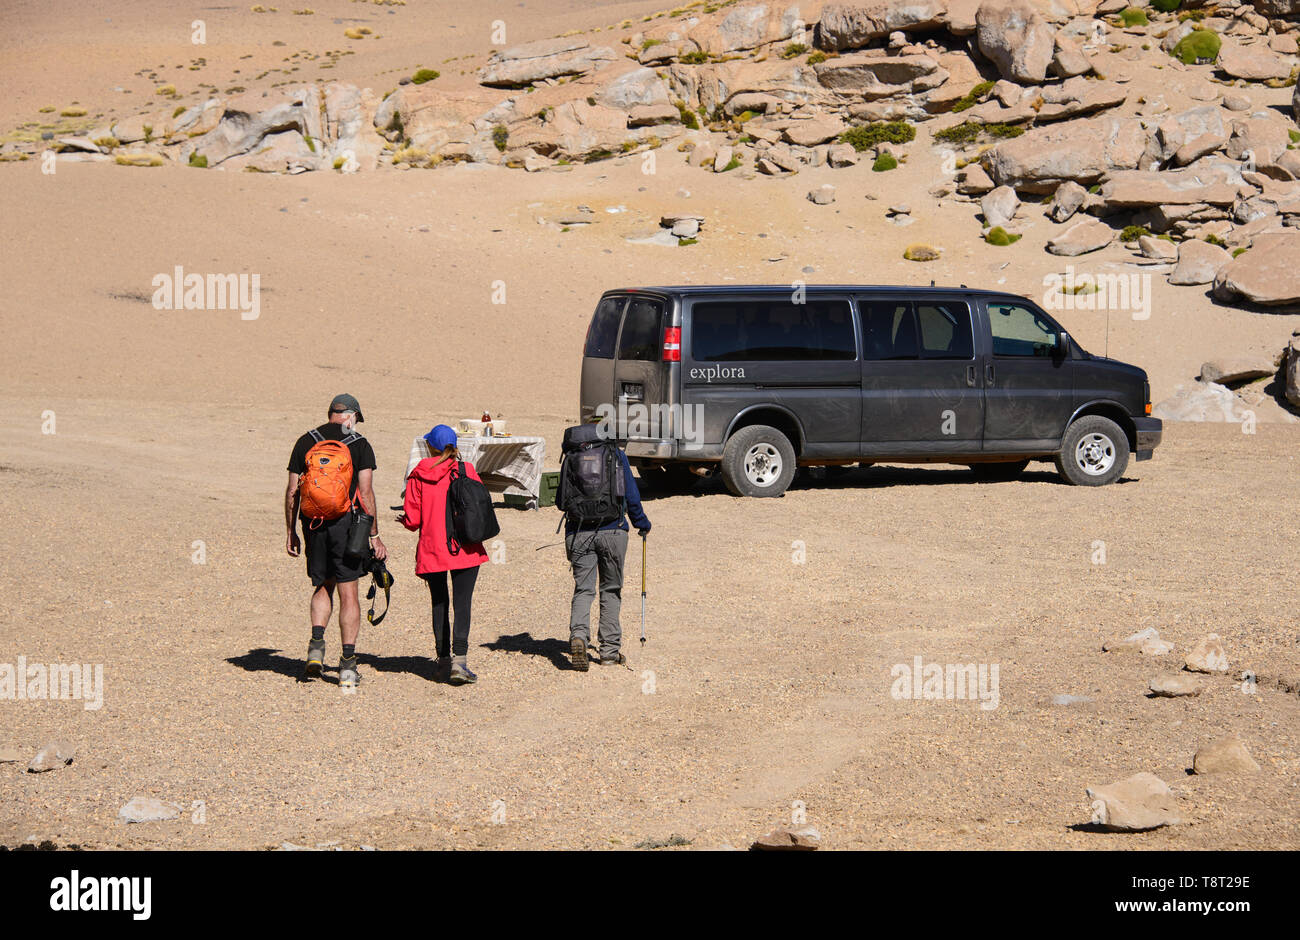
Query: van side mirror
[1062, 344]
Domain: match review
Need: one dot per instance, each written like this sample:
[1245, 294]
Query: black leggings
[462, 590]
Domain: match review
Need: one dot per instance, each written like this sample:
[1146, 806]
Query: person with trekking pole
[331, 492]
[429, 488]
[598, 495]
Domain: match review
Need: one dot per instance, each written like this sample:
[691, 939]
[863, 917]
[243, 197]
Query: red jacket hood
[430, 470]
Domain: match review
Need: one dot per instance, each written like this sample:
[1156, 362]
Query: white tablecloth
[510, 465]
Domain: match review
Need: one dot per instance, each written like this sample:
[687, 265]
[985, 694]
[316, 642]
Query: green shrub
[816, 57]
[920, 253]
[1199, 44]
[972, 96]
[1166, 6]
[966, 133]
[199, 160]
[689, 120]
[793, 50]
[499, 137]
[1238, 251]
[999, 236]
[1215, 240]
[1132, 233]
[424, 75]
[885, 161]
[866, 136]
[180, 109]
[683, 242]
[1133, 16]
[731, 164]
[699, 57]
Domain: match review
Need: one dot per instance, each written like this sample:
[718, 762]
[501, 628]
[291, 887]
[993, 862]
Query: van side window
[889, 329]
[603, 330]
[642, 338]
[772, 331]
[945, 330]
[1019, 331]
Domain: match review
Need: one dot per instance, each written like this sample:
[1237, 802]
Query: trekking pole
[642, 590]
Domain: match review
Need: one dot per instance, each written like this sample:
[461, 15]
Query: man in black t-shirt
[324, 541]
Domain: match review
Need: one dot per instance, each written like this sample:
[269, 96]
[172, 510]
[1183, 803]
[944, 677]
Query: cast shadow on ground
[270, 660]
[871, 478]
[557, 651]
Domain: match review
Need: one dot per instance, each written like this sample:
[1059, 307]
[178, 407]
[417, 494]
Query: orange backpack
[325, 486]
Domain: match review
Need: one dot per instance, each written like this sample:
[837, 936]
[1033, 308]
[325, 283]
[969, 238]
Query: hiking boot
[578, 654]
[613, 659]
[460, 675]
[442, 669]
[349, 678]
[315, 658]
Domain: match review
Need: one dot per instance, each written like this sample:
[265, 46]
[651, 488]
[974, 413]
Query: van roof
[690, 289]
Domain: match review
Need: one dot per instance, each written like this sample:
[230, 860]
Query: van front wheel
[1094, 452]
[758, 461]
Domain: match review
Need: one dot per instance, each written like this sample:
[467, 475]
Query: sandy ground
[771, 679]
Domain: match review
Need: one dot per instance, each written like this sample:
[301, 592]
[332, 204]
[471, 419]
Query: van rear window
[603, 331]
[642, 339]
[772, 331]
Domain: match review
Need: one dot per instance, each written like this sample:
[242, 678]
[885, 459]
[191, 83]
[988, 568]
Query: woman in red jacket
[425, 510]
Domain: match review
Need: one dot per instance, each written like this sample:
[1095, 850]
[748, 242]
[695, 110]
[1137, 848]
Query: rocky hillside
[1168, 127]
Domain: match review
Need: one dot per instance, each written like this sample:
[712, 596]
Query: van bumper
[1149, 432]
[662, 450]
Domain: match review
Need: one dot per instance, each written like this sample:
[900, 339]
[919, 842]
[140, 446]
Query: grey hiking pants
[589, 553]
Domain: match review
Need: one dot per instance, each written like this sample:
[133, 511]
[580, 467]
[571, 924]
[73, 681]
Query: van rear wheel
[1094, 452]
[758, 461]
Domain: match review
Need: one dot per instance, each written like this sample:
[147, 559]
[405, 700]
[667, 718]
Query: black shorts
[323, 547]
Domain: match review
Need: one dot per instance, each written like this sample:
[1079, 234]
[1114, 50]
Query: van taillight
[673, 344]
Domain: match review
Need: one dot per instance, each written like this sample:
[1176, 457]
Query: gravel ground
[765, 685]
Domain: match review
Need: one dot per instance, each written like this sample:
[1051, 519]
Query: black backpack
[470, 517]
[592, 491]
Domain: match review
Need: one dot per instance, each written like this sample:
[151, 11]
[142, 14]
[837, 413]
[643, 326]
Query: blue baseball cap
[440, 438]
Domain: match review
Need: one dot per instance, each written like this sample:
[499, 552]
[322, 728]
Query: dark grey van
[754, 381]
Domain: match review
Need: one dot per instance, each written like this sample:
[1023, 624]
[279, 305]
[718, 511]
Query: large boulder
[532, 62]
[1081, 238]
[431, 118]
[349, 126]
[1201, 401]
[1078, 96]
[1198, 263]
[1016, 37]
[1135, 189]
[816, 131]
[873, 77]
[1225, 755]
[747, 26]
[1263, 139]
[247, 119]
[637, 87]
[1141, 802]
[1084, 150]
[1254, 63]
[1269, 273]
[853, 25]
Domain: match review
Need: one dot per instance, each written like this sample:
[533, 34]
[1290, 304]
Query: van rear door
[597, 387]
[644, 358]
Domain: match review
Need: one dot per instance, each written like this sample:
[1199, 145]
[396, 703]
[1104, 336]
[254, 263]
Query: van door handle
[988, 373]
[970, 376]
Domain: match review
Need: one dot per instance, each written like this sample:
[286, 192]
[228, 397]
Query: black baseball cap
[346, 402]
